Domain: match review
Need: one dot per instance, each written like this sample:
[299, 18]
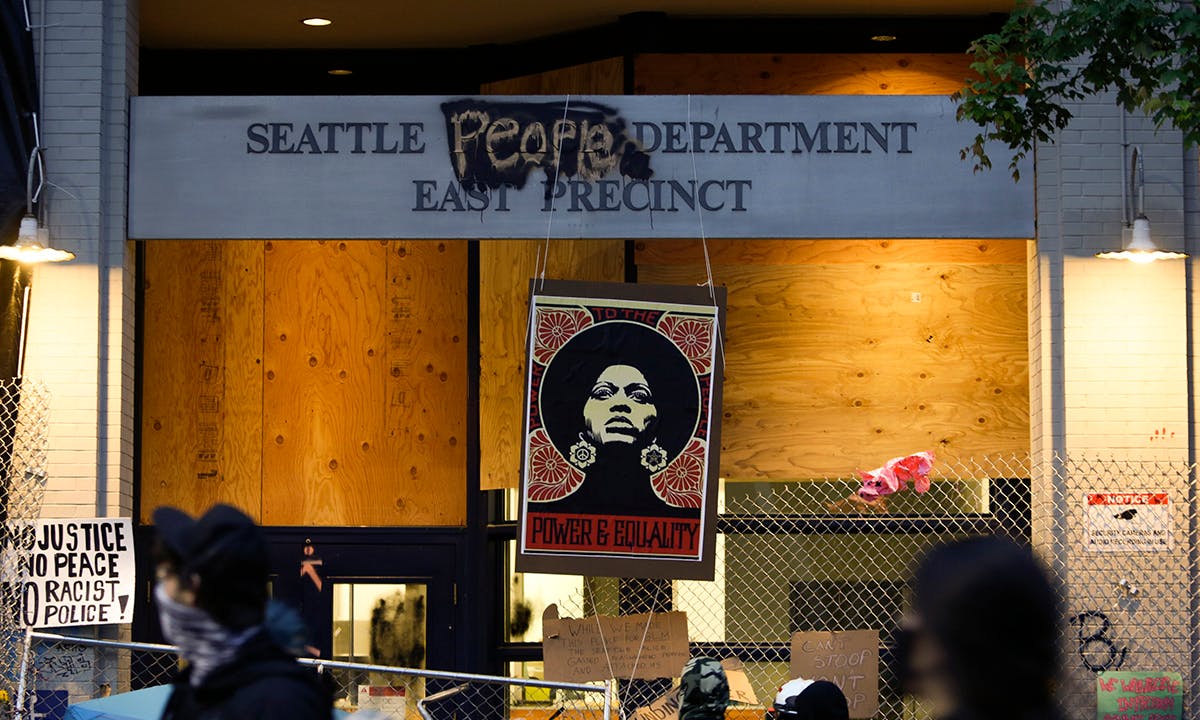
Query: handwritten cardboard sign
[666, 707]
[1125, 695]
[637, 646]
[740, 690]
[73, 572]
[848, 659]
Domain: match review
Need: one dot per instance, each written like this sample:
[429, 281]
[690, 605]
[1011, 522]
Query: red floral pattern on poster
[693, 336]
[554, 328]
[551, 477]
[681, 484]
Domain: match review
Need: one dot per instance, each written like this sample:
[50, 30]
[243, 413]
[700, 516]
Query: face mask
[203, 642]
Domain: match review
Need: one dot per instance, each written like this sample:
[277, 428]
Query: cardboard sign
[624, 647]
[666, 707]
[848, 659]
[1125, 695]
[1129, 522]
[740, 690]
[75, 572]
[622, 430]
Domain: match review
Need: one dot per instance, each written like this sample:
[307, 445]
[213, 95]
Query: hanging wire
[543, 259]
[600, 628]
[708, 281]
[645, 632]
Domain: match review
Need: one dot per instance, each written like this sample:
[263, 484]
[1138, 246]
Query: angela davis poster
[622, 430]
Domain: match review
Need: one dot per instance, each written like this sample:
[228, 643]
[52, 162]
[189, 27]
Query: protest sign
[641, 646]
[848, 659]
[666, 707]
[740, 690]
[1127, 695]
[75, 572]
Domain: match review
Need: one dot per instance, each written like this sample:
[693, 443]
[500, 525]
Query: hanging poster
[622, 430]
[1129, 522]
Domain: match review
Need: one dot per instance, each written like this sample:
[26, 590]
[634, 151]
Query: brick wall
[81, 323]
[1110, 371]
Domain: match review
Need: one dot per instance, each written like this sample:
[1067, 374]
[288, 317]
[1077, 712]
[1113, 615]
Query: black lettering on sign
[493, 144]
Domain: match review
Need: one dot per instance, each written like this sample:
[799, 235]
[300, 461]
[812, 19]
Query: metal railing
[83, 666]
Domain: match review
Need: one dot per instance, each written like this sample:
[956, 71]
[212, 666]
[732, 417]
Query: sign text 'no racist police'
[519, 167]
[73, 572]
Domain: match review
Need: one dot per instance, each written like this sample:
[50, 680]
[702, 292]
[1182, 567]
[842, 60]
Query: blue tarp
[145, 704]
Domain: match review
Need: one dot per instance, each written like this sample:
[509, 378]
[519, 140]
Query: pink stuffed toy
[895, 476]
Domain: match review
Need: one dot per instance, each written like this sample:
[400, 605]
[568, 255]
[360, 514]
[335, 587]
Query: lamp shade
[32, 245]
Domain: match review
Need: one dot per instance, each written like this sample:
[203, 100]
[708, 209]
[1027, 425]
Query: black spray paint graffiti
[65, 663]
[494, 144]
[1097, 651]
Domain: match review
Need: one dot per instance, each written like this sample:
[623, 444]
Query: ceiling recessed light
[317, 22]
[883, 38]
[340, 71]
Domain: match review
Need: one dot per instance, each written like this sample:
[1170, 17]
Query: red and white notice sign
[1129, 522]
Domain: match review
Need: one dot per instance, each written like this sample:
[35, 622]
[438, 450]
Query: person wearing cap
[802, 699]
[211, 594]
[703, 690]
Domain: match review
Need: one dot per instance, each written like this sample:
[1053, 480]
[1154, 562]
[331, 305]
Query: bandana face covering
[203, 642]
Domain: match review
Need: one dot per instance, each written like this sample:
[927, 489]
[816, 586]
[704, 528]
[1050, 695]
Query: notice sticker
[75, 572]
[1129, 522]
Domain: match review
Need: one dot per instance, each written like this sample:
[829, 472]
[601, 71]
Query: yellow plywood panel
[801, 74]
[603, 77]
[841, 365]
[425, 456]
[365, 385]
[324, 396]
[505, 269]
[830, 252]
[202, 376]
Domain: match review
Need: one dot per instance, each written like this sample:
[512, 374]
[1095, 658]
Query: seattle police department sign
[595, 167]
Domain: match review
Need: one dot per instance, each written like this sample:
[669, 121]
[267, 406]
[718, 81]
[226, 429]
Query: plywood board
[836, 366]
[365, 392]
[603, 77]
[202, 376]
[801, 74]
[505, 269]
[425, 453]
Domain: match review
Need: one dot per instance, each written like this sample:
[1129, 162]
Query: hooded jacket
[262, 682]
[703, 690]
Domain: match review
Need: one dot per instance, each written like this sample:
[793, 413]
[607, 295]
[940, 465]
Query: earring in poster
[654, 458]
[583, 453]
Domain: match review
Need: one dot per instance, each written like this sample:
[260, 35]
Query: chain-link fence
[806, 555]
[24, 414]
[72, 670]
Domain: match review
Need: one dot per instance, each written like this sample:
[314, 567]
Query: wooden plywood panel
[202, 376]
[505, 269]
[365, 384]
[324, 396]
[425, 456]
[603, 77]
[801, 74]
[829, 252]
[833, 366]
